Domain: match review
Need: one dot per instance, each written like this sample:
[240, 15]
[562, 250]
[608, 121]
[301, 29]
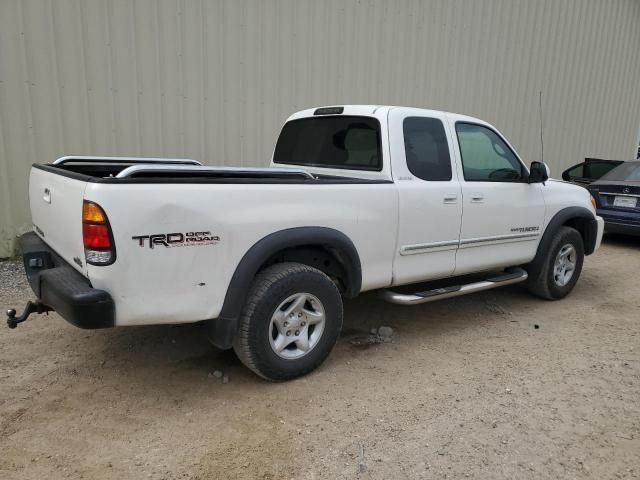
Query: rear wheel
[560, 267]
[290, 323]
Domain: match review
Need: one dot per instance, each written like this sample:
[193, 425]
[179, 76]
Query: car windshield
[626, 172]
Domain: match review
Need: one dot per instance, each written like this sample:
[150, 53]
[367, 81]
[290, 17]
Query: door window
[426, 148]
[485, 156]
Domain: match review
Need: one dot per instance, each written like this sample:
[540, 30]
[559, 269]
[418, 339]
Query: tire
[288, 297]
[550, 283]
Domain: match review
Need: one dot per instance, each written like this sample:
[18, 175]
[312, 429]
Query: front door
[503, 214]
[430, 201]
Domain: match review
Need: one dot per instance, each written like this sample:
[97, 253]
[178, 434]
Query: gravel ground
[13, 282]
[467, 388]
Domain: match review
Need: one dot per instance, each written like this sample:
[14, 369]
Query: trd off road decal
[177, 239]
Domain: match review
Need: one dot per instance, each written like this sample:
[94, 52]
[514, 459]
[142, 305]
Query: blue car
[617, 196]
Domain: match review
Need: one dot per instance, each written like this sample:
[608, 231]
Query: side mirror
[538, 173]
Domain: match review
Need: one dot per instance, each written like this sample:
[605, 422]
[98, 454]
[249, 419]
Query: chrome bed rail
[134, 170]
[136, 160]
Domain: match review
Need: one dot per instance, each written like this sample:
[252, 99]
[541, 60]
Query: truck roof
[368, 110]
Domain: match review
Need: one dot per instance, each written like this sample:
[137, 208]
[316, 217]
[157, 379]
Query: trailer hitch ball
[31, 307]
[11, 315]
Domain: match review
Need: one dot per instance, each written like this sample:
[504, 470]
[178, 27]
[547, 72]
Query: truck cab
[466, 200]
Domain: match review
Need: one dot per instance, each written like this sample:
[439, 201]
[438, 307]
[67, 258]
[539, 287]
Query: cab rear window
[345, 142]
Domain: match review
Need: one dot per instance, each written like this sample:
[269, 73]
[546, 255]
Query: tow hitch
[31, 307]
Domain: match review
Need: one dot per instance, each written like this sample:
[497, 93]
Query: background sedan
[617, 196]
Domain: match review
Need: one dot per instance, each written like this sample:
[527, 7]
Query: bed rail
[132, 160]
[201, 170]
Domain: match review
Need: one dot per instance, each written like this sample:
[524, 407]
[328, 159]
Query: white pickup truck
[357, 198]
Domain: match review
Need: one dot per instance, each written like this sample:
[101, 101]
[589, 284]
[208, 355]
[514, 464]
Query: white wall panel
[214, 80]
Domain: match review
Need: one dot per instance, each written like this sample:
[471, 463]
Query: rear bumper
[61, 287]
[618, 221]
[622, 228]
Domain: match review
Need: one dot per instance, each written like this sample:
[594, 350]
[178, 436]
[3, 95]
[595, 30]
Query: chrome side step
[513, 275]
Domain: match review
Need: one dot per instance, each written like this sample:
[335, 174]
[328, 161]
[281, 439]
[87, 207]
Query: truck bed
[233, 208]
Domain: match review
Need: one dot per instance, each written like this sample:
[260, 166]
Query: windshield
[346, 142]
[626, 172]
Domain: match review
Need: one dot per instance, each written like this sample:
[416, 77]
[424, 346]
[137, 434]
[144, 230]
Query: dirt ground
[471, 389]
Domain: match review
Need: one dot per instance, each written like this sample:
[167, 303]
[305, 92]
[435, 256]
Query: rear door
[503, 214]
[56, 212]
[430, 203]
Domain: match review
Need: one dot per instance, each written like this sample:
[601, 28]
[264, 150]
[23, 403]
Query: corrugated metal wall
[214, 80]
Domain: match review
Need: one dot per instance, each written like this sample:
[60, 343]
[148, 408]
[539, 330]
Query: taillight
[99, 248]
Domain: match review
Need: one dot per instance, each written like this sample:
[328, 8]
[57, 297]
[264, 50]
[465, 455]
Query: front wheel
[560, 267]
[290, 323]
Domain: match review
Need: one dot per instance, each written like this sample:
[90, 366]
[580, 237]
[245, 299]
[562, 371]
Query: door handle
[450, 198]
[46, 196]
[477, 197]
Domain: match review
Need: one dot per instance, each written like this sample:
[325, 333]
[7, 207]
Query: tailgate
[56, 212]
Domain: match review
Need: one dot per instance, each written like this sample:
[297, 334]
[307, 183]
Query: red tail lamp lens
[96, 236]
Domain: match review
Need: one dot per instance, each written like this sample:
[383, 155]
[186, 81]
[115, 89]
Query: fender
[222, 330]
[564, 217]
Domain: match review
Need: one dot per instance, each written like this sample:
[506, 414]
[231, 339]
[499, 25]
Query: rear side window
[577, 171]
[347, 142]
[426, 148]
[485, 156]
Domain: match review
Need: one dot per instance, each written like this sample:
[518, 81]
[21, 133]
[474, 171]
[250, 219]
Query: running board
[513, 275]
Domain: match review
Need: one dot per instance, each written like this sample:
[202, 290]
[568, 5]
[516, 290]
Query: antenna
[541, 128]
